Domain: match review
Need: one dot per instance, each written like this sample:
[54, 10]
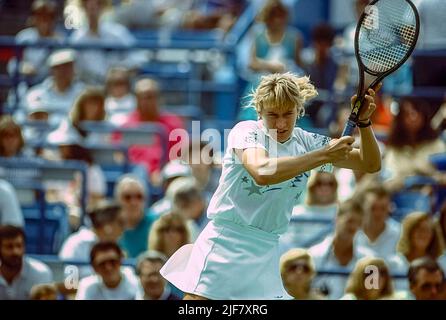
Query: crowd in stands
[348, 227]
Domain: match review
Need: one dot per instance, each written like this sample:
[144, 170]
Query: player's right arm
[266, 170]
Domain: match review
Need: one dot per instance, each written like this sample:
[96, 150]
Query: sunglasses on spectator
[129, 196]
[302, 267]
[113, 262]
[172, 228]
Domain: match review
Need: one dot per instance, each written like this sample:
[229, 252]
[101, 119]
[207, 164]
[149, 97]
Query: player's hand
[339, 149]
[369, 104]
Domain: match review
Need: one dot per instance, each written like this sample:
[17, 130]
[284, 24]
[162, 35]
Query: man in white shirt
[58, 92]
[153, 286]
[107, 224]
[338, 252]
[93, 63]
[10, 212]
[110, 281]
[18, 274]
[379, 233]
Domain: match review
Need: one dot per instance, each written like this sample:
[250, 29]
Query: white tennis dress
[236, 256]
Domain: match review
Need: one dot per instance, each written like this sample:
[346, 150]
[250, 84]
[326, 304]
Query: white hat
[35, 104]
[61, 57]
[65, 135]
[175, 168]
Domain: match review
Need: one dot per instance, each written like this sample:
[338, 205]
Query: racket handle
[349, 128]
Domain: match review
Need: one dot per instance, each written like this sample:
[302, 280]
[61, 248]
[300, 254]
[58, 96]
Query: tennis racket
[386, 35]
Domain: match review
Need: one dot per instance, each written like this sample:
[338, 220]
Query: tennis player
[265, 170]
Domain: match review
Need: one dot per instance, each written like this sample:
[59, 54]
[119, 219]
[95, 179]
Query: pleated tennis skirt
[228, 261]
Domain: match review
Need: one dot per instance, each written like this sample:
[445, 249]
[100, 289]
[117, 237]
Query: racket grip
[349, 128]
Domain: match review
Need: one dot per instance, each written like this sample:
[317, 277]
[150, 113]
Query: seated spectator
[120, 100]
[18, 273]
[147, 111]
[94, 63]
[426, 279]
[11, 139]
[10, 211]
[321, 204]
[111, 281]
[419, 238]
[42, 27]
[59, 91]
[206, 14]
[89, 106]
[322, 67]
[379, 232]
[132, 195]
[153, 285]
[43, 292]
[171, 171]
[411, 141]
[70, 147]
[168, 234]
[339, 250]
[357, 284]
[297, 271]
[276, 48]
[188, 201]
[107, 225]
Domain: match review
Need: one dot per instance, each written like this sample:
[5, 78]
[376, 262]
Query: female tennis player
[265, 170]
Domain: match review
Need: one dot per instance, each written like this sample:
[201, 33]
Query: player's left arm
[368, 157]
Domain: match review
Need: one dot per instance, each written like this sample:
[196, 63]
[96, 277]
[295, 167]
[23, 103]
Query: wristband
[361, 124]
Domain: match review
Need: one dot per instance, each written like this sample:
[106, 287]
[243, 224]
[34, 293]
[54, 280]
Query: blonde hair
[7, 124]
[269, 7]
[156, 240]
[356, 284]
[410, 222]
[312, 181]
[296, 254]
[146, 84]
[283, 91]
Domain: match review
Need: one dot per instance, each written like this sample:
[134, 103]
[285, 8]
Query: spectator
[59, 91]
[18, 273]
[42, 21]
[89, 106]
[411, 141]
[154, 287]
[94, 63]
[168, 234]
[120, 100]
[379, 233]
[320, 204]
[339, 250]
[357, 289]
[276, 48]
[10, 211]
[107, 225]
[147, 111]
[188, 201]
[43, 291]
[171, 171]
[297, 271]
[11, 138]
[322, 67]
[426, 279]
[132, 195]
[70, 147]
[419, 238]
[110, 282]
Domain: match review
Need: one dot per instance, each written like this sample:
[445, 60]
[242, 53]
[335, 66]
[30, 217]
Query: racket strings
[387, 34]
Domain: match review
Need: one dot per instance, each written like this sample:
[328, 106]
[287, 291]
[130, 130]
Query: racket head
[386, 35]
